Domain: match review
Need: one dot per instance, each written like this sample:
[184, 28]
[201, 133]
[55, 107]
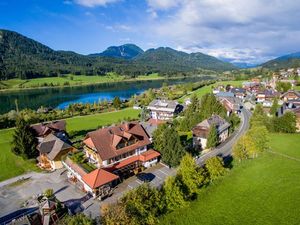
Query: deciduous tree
[172, 194]
[143, 204]
[215, 167]
[79, 219]
[190, 175]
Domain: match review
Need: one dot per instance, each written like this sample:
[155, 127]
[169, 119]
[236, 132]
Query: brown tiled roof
[148, 155]
[291, 92]
[44, 128]
[105, 140]
[99, 177]
[52, 146]
[144, 157]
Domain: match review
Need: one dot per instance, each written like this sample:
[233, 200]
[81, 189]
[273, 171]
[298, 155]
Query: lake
[63, 96]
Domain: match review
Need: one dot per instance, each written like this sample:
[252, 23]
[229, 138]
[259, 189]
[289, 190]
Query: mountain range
[26, 58]
[284, 62]
[127, 51]
[22, 57]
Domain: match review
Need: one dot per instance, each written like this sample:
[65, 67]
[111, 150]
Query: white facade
[150, 163]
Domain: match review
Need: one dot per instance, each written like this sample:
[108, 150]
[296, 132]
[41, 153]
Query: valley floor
[265, 190]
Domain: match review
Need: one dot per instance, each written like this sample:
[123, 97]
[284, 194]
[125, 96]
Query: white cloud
[250, 30]
[120, 28]
[94, 3]
[163, 4]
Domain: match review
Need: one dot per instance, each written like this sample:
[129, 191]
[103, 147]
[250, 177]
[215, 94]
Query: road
[12, 197]
[225, 148]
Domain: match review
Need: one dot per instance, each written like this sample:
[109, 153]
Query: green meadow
[265, 191]
[207, 89]
[71, 80]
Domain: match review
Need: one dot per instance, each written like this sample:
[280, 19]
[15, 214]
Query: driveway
[155, 175]
[13, 196]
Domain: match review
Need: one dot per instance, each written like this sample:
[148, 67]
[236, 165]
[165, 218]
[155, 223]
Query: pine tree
[212, 139]
[167, 141]
[117, 102]
[24, 142]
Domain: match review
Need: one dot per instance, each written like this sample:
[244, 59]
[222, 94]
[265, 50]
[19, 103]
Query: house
[267, 103]
[164, 109]
[116, 152]
[232, 104]
[290, 106]
[99, 183]
[239, 92]
[117, 145]
[266, 95]
[218, 89]
[201, 131]
[51, 150]
[290, 95]
[251, 86]
[55, 127]
[223, 94]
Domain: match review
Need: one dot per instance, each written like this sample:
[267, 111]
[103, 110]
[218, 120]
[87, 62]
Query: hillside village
[110, 155]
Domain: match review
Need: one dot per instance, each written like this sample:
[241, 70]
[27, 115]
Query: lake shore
[141, 78]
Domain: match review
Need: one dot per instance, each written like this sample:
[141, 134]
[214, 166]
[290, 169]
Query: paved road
[11, 198]
[225, 148]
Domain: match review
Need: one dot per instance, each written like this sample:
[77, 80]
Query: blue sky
[241, 30]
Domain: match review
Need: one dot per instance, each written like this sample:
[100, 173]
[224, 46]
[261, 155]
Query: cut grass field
[265, 190]
[207, 89]
[11, 165]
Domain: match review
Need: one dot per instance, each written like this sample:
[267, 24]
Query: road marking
[130, 186]
[138, 181]
[163, 172]
[158, 177]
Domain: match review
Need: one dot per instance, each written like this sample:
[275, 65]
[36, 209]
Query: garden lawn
[207, 89]
[11, 165]
[265, 191]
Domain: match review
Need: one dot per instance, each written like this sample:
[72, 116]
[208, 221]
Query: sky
[249, 31]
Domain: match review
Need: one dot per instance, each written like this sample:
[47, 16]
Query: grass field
[71, 80]
[11, 165]
[207, 89]
[297, 88]
[261, 191]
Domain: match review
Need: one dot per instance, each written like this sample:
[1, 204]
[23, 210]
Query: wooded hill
[25, 58]
[283, 62]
